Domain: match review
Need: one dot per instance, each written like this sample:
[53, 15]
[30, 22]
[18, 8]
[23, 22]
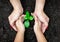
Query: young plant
[28, 17]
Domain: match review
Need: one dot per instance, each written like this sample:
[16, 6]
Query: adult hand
[41, 14]
[18, 10]
[44, 19]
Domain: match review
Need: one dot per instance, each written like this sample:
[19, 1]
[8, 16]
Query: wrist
[38, 11]
[19, 31]
[37, 31]
[20, 10]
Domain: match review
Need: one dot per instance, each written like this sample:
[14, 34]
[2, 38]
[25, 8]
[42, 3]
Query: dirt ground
[52, 9]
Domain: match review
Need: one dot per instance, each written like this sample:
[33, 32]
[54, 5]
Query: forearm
[39, 5]
[19, 37]
[16, 4]
[40, 37]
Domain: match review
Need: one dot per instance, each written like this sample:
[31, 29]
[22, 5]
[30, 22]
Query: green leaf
[25, 18]
[31, 18]
[26, 24]
[27, 14]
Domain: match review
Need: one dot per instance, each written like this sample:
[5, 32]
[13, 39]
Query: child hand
[37, 25]
[37, 29]
[20, 29]
[19, 24]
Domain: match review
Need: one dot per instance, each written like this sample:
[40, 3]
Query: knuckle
[48, 19]
[47, 24]
[8, 17]
[10, 23]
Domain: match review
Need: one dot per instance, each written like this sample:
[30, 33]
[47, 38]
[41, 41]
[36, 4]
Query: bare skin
[37, 29]
[41, 14]
[20, 30]
[15, 21]
[18, 10]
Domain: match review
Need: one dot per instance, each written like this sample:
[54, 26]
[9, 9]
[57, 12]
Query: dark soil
[52, 9]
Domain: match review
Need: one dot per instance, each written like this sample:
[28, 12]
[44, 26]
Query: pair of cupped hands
[16, 18]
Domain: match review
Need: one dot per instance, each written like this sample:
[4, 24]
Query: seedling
[28, 17]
